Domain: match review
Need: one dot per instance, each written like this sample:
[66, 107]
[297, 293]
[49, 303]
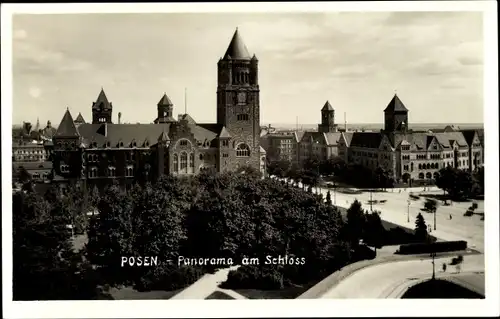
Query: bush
[469, 213]
[422, 248]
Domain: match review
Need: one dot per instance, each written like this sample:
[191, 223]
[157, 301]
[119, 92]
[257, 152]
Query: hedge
[422, 248]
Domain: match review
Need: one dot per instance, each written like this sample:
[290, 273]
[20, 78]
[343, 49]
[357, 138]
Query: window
[111, 171]
[176, 163]
[421, 176]
[93, 172]
[183, 142]
[183, 162]
[129, 171]
[64, 168]
[428, 175]
[242, 117]
[242, 150]
[225, 155]
[201, 157]
[191, 162]
[225, 143]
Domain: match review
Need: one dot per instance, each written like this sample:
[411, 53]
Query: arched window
[201, 157]
[428, 175]
[432, 165]
[421, 176]
[176, 163]
[411, 166]
[191, 163]
[93, 172]
[242, 150]
[428, 166]
[184, 162]
[419, 166]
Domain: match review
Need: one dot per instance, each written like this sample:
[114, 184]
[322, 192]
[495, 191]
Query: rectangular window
[242, 117]
[225, 155]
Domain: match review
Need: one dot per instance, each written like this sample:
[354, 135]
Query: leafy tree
[23, 176]
[479, 179]
[374, 230]
[249, 171]
[430, 205]
[420, 228]
[356, 221]
[328, 198]
[45, 266]
[456, 182]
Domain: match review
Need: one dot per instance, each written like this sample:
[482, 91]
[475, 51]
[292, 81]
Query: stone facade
[100, 152]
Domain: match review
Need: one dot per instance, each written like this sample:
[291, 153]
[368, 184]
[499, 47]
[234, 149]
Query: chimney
[119, 117]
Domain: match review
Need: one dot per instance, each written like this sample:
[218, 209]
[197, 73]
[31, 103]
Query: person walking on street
[444, 267]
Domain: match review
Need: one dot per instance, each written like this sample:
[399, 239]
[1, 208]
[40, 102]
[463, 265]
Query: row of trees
[461, 184]
[310, 172]
[233, 215]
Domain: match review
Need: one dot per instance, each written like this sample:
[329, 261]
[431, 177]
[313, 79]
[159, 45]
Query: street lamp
[433, 255]
[408, 218]
[435, 209]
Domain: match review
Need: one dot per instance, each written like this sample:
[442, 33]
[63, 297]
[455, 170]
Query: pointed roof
[67, 127]
[165, 101]
[102, 98]
[163, 137]
[79, 119]
[224, 133]
[237, 49]
[327, 107]
[396, 105]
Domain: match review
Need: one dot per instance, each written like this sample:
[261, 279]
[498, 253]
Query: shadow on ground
[440, 289]
[219, 295]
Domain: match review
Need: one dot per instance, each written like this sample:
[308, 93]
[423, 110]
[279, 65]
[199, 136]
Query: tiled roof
[125, 133]
[79, 118]
[102, 101]
[316, 137]
[327, 107]
[32, 165]
[67, 127]
[395, 105]
[332, 138]
[446, 138]
[165, 101]
[237, 49]
[299, 135]
[187, 117]
[348, 137]
[469, 135]
[366, 139]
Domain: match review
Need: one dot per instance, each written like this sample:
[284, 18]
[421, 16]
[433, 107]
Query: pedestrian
[451, 217]
[444, 267]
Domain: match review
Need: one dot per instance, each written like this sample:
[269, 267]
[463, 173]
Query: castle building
[103, 151]
[323, 144]
[411, 156]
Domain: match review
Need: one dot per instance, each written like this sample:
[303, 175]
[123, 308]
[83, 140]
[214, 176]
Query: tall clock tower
[238, 104]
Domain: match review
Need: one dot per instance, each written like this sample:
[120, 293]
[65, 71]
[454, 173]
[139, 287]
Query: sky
[355, 60]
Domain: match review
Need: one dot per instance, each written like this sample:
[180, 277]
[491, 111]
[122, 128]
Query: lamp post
[435, 209]
[371, 200]
[433, 255]
[408, 215]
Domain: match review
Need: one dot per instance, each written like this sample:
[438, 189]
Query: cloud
[35, 92]
[20, 34]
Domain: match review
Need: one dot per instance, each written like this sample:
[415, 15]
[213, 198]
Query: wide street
[390, 280]
[395, 210]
